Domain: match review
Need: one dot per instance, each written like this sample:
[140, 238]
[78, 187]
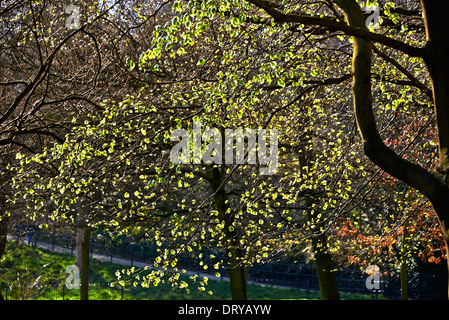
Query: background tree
[121, 148]
[429, 46]
[57, 72]
[258, 64]
[34, 94]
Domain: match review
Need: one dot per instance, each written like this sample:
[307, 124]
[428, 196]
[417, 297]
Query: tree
[36, 87]
[434, 52]
[254, 64]
[55, 71]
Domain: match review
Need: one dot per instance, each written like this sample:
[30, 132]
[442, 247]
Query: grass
[28, 272]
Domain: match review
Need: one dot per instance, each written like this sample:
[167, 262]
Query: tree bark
[404, 291]
[3, 229]
[433, 185]
[324, 267]
[327, 278]
[83, 260]
[437, 57]
[83, 250]
[234, 254]
[322, 258]
[237, 274]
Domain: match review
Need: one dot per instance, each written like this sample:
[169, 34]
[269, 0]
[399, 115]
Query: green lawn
[33, 273]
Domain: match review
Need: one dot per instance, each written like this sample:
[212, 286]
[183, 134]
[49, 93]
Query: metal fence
[97, 291]
[299, 275]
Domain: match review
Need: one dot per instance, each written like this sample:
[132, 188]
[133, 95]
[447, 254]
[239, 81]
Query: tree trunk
[327, 278]
[433, 185]
[234, 254]
[3, 233]
[82, 259]
[437, 57]
[404, 294]
[444, 223]
[82, 249]
[324, 267]
[3, 229]
[323, 260]
[237, 274]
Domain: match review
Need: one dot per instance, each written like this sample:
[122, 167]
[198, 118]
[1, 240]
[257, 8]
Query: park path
[134, 262]
[109, 258]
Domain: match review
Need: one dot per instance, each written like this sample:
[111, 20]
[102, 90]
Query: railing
[301, 275]
[97, 291]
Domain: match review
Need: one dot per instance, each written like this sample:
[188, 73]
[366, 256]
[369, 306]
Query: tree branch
[334, 25]
[400, 168]
[427, 91]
